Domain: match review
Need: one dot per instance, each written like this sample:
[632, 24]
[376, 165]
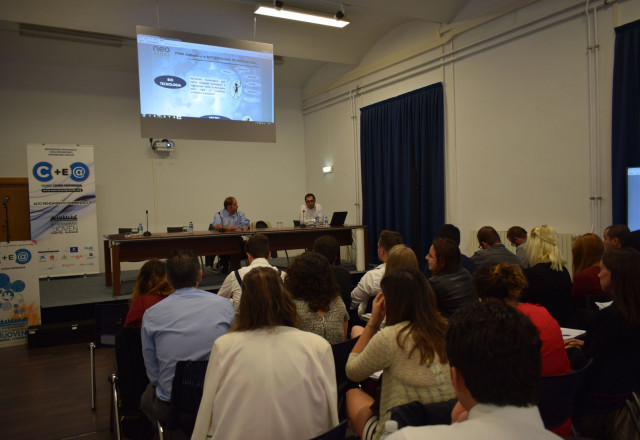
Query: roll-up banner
[19, 291]
[62, 204]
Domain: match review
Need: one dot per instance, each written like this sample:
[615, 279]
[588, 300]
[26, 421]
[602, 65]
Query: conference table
[119, 248]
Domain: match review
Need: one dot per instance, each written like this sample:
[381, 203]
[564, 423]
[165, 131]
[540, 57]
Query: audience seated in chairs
[451, 283]
[614, 344]
[410, 350]
[549, 280]
[317, 297]
[266, 378]
[151, 287]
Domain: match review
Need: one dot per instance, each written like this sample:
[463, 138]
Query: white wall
[517, 119]
[62, 104]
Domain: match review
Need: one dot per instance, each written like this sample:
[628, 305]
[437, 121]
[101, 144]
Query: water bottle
[326, 221]
[317, 221]
[246, 223]
[140, 228]
[190, 227]
[390, 426]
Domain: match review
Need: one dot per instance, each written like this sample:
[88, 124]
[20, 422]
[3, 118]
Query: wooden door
[17, 189]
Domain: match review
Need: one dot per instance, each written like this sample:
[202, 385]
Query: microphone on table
[5, 202]
[147, 233]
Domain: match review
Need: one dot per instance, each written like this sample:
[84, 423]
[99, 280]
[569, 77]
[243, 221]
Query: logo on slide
[23, 256]
[170, 82]
[42, 171]
[79, 172]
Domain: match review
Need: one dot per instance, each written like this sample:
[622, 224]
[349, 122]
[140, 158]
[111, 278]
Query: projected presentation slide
[180, 79]
[633, 202]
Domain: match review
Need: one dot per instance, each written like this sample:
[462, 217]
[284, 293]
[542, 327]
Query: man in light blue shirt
[182, 326]
[229, 219]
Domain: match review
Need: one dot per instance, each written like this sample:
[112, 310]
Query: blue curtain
[625, 123]
[402, 152]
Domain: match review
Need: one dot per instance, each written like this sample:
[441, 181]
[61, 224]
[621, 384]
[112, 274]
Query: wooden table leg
[115, 262]
[108, 276]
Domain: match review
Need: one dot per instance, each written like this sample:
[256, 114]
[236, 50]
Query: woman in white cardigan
[410, 350]
[266, 378]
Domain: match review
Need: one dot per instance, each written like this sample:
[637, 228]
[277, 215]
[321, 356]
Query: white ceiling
[304, 47]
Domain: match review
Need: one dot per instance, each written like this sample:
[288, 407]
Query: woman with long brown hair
[410, 350]
[451, 283]
[266, 378]
[587, 252]
[151, 288]
[613, 342]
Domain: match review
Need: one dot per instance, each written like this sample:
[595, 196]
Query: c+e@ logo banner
[43, 171]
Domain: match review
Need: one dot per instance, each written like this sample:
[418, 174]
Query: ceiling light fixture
[279, 11]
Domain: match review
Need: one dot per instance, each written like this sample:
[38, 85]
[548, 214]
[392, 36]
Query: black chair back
[132, 375]
[261, 225]
[341, 353]
[558, 394]
[109, 319]
[186, 394]
[422, 414]
[337, 433]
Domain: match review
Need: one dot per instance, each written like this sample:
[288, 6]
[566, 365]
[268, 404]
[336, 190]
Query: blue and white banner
[19, 291]
[62, 202]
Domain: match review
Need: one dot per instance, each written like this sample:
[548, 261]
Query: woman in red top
[151, 287]
[587, 252]
[504, 282]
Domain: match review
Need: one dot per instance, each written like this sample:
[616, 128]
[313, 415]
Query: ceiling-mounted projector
[163, 145]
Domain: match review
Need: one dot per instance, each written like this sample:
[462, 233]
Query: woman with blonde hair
[587, 252]
[266, 378]
[151, 288]
[548, 278]
[401, 257]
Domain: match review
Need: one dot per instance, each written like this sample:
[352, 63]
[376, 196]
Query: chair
[341, 353]
[337, 433]
[128, 384]
[109, 319]
[186, 393]
[422, 414]
[558, 394]
[261, 224]
[633, 406]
